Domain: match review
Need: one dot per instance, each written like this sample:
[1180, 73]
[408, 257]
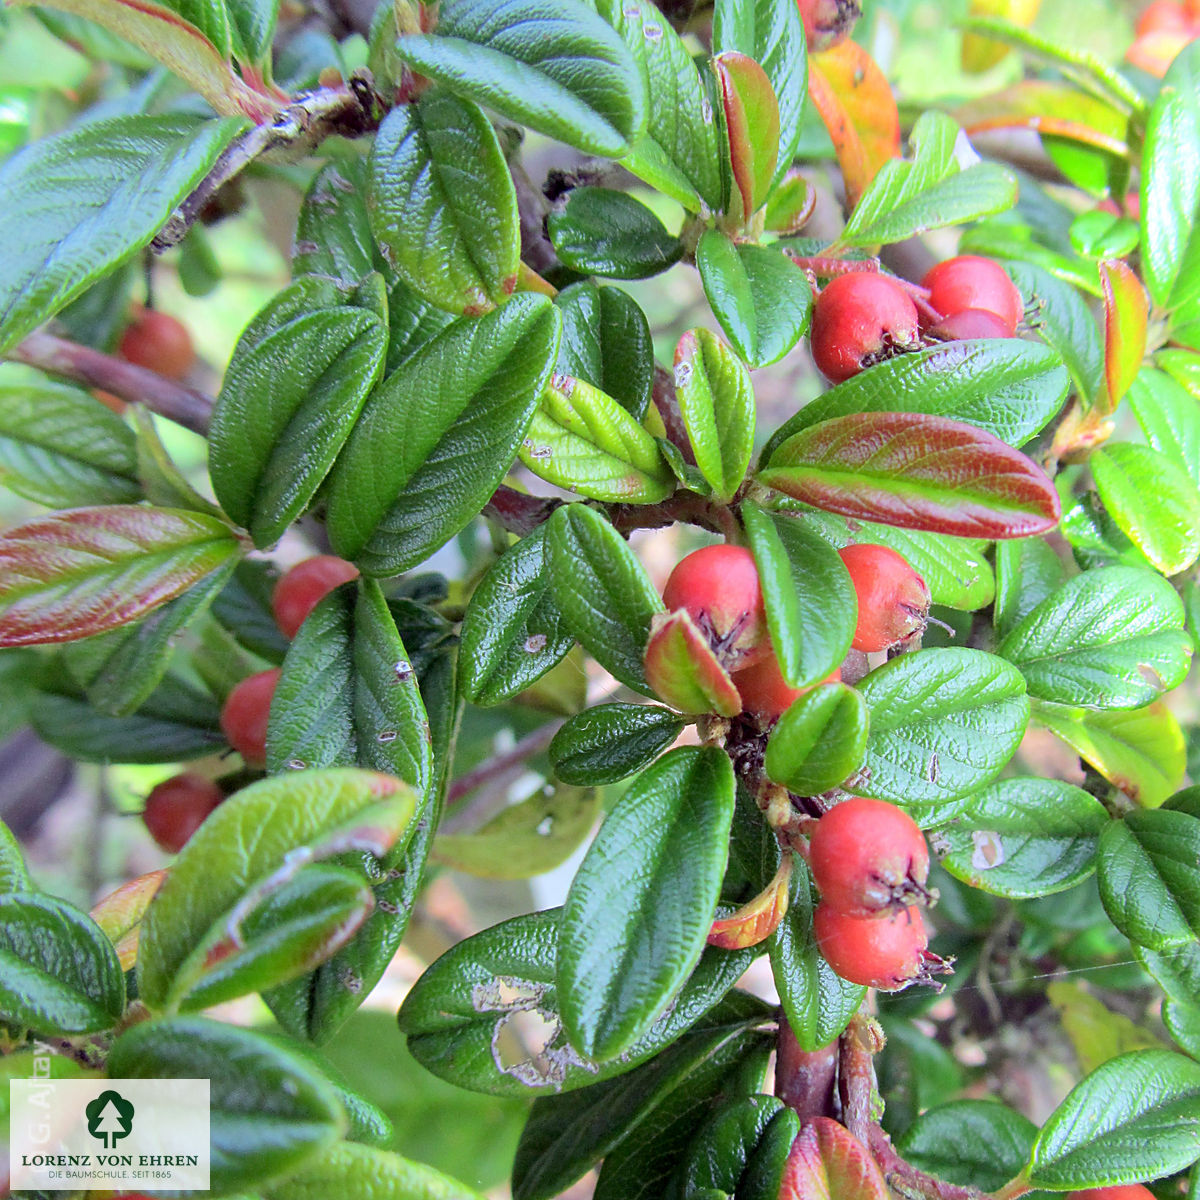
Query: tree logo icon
[109, 1118]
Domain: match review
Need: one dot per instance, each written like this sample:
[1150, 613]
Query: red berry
[176, 808]
[304, 586]
[888, 952]
[893, 600]
[764, 691]
[1163, 16]
[867, 857]
[157, 341]
[244, 716]
[969, 281]
[827, 22]
[861, 318]
[1122, 1191]
[971, 323]
[719, 588]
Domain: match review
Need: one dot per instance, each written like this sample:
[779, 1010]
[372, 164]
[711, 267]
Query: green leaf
[81, 202]
[762, 299]
[88, 570]
[976, 1143]
[943, 723]
[442, 203]
[552, 65]
[907, 198]
[1149, 878]
[1025, 837]
[1028, 571]
[356, 1172]
[13, 875]
[599, 231]
[61, 447]
[678, 154]
[726, 1146]
[639, 909]
[1025, 385]
[1094, 538]
[244, 609]
[683, 669]
[606, 342]
[608, 742]
[810, 601]
[513, 632]
[1169, 417]
[333, 230]
[244, 843]
[1096, 1032]
[1111, 638]
[916, 471]
[716, 401]
[59, 974]
[1176, 971]
[1152, 500]
[435, 439]
[252, 26]
[457, 1015]
[603, 590]
[820, 740]
[270, 1112]
[1135, 1116]
[162, 481]
[583, 440]
[295, 386]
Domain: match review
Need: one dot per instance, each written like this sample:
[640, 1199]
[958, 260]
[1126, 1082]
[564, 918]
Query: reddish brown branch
[908, 1180]
[531, 745]
[804, 1079]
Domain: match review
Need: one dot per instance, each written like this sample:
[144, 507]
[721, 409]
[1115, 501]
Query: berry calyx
[1121, 1191]
[868, 857]
[303, 587]
[764, 691]
[176, 808]
[827, 22]
[893, 600]
[245, 714]
[157, 341]
[971, 323]
[970, 281]
[718, 587]
[861, 318]
[888, 952]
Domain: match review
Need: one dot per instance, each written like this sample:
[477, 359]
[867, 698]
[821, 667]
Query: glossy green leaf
[943, 723]
[976, 1143]
[553, 66]
[61, 447]
[1094, 538]
[1149, 878]
[916, 471]
[59, 974]
[1111, 638]
[244, 609]
[442, 204]
[1025, 837]
[599, 231]
[1169, 417]
[1153, 500]
[435, 439]
[608, 742]
[457, 1015]
[1176, 971]
[639, 909]
[355, 1172]
[726, 1146]
[1099, 234]
[1134, 1116]
[762, 299]
[1028, 570]
[682, 668]
[810, 602]
[13, 875]
[603, 590]
[751, 126]
[582, 439]
[1126, 311]
[333, 230]
[271, 1111]
[80, 203]
[606, 342]
[955, 569]
[88, 570]
[163, 483]
[1025, 385]
[820, 740]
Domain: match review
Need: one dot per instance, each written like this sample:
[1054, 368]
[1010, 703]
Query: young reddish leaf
[683, 670]
[828, 1163]
[916, 471]
[751, 126]
[82, 572]
[120, 914]
[854, 100]
[1126, 310]
[757, 919]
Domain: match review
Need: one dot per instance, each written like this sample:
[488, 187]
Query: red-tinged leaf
[683, 670]
[120, 914]
[751, 125]
[757, 919]
[827, 1163]
[1126, 310]
[854, 100]
[1156, 50]
[75, 574]
[918, 472]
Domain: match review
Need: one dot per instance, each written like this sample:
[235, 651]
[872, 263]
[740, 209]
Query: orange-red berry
[893, 600]
[157, 341]
[764, 691]
[1121, 1191]
[719, 588]
[887, 952]
[1163, 16]
[303, 587]
[859, 319]
[245, 714]
[827, 22]
[970, 281]
[971, 323]
[176, 808]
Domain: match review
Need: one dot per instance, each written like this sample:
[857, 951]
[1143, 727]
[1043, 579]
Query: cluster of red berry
[177, 807]
[863, 317]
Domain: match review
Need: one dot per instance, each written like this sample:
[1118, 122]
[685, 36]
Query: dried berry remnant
[303, 587]
[827, 22]
[860, 319]
[177, 807]
[160, 343]
[245, 714]
[970, 281]
[888, 952]
[893, 600]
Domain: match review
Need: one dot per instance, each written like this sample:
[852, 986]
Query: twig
[908, 1180]
[858, 1045]
[518, 512]
[528, 747]
[804, 1079]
